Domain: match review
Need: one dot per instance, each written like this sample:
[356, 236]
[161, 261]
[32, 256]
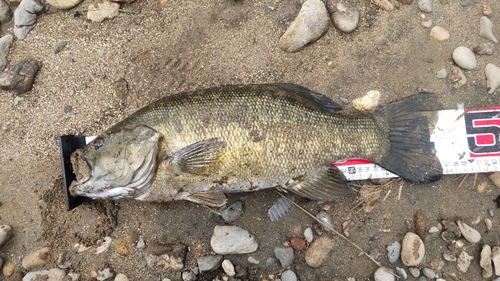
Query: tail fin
[411, 154]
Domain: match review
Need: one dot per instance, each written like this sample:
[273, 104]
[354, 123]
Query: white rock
[288, 275]
[253, 260]
[345, 16]
[440, 33]
[495, 258]
[382, 275]
[326, 219]
[368, 102]
[464, 58]
[463, 261]
[54, 274]
[485, 261]
[441, 74]
[230, 239]
[5, 232]
[140, 243]
[413, 250]
[492, 80]
[424, 21]
[105, 10]
[486, 29]
[425, 5]
[469, 233]
[308, 234]
[64, 4]
[228, 267]
[104, 245]
[121, 277]
[311, 23]
[104, 274]
[488, 223]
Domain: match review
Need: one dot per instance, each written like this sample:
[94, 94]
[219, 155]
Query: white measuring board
[466, 141]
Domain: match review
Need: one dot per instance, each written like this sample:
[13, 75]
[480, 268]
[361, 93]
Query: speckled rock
[64, 4]
[393, 252]
[309, 25]
[284, 255]
[25, 17]
[485, 49]
[19, 78]
[463, 261]
[318, 251]
[464, 58]
[105, 10]
[232, 212]
[37, 258]
[344, 15]
[105, 274]
[230, 239]
[413, 249]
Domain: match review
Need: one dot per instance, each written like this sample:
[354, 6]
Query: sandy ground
[109, 70]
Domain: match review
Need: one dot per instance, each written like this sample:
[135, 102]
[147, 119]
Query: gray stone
[208, 263]
[466, 3]
[54, 274]
[5, 43]
[401, 273]
[105, 274]
[441, 74]
[25, 17]
[492, 73]
[64, 4]
[429, 273]
[345, 16]
[232, 212]
[414, 271]
[464, 58]
[393, 252]
[326, 219]
[288, 275]
[284, 255]
[485, 49]
[309, 25]
[486, 29]
[230, 239]
[5, 232]
[425, 5]
[5, 12]
[19, 77]
[1, 262]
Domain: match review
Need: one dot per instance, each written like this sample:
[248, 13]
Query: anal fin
[326, 183]
[211, 198]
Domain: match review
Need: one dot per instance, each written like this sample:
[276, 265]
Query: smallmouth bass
[197, 146]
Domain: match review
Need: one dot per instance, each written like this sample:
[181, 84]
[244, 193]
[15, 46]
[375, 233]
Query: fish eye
[98, 143]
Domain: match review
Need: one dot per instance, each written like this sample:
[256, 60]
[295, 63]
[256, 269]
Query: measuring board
[466, 141]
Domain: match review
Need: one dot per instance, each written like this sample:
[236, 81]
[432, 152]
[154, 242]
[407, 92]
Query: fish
[197, 146]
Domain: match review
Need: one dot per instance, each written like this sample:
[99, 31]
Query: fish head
[121, 163]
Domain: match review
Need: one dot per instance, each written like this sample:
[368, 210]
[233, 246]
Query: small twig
[462, 181]
[475, 177]
[336, 232]
[387, 195]
[400, 189]
[106, 9]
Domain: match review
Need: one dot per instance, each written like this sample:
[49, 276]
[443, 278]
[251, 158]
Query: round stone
[413, 249]
[439, 33]
[464, 58]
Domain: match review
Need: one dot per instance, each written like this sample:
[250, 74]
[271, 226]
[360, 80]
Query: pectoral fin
[208, 198]
[197, 158]
[326, 183]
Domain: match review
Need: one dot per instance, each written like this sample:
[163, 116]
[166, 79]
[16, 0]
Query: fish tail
[410, 153]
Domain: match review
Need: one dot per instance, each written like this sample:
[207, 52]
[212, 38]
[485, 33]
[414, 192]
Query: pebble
[485, 261]
[230, 239]
[439, 33]
[486, 10]
[383, 4]
[308, 234]
[122, 247]
[382, 275]
[414, 271]
[232, 212]
[429, 273]
[309, 25]
[469, 233]
[368, 102]
[166, 256]
[425, 6]
[5, 12]
[209, 263]
[464, 58]
[8, 269]
[344, 15]
[105, 10]
[63, 261]
[413, 250]
[466, 3]
[37, 258]
[326, 219]
[5, 232]
[104, 245]
[104, 274]
[188, 276]
[64, 4]
[492, 73]
[297, 243]
[72, 276]
[253, 260]
[393, 252]
[25, 17]
[288, 275]
[488, 223]
[318, 251]
[495, 258]
[485, 49]
[140, 243]
[54, 274]
[486, 29]
[463, 261]
[5, 44]
[284, 255]
[121, 277]
[19, 77]
[401, 273]
[424, 21]
[435, 229]
[228, 267]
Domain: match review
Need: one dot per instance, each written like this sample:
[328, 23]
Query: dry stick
[475, 177]
[462, 181]
[336, 232]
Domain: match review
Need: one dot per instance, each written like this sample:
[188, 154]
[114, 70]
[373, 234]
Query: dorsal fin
[311, 98]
